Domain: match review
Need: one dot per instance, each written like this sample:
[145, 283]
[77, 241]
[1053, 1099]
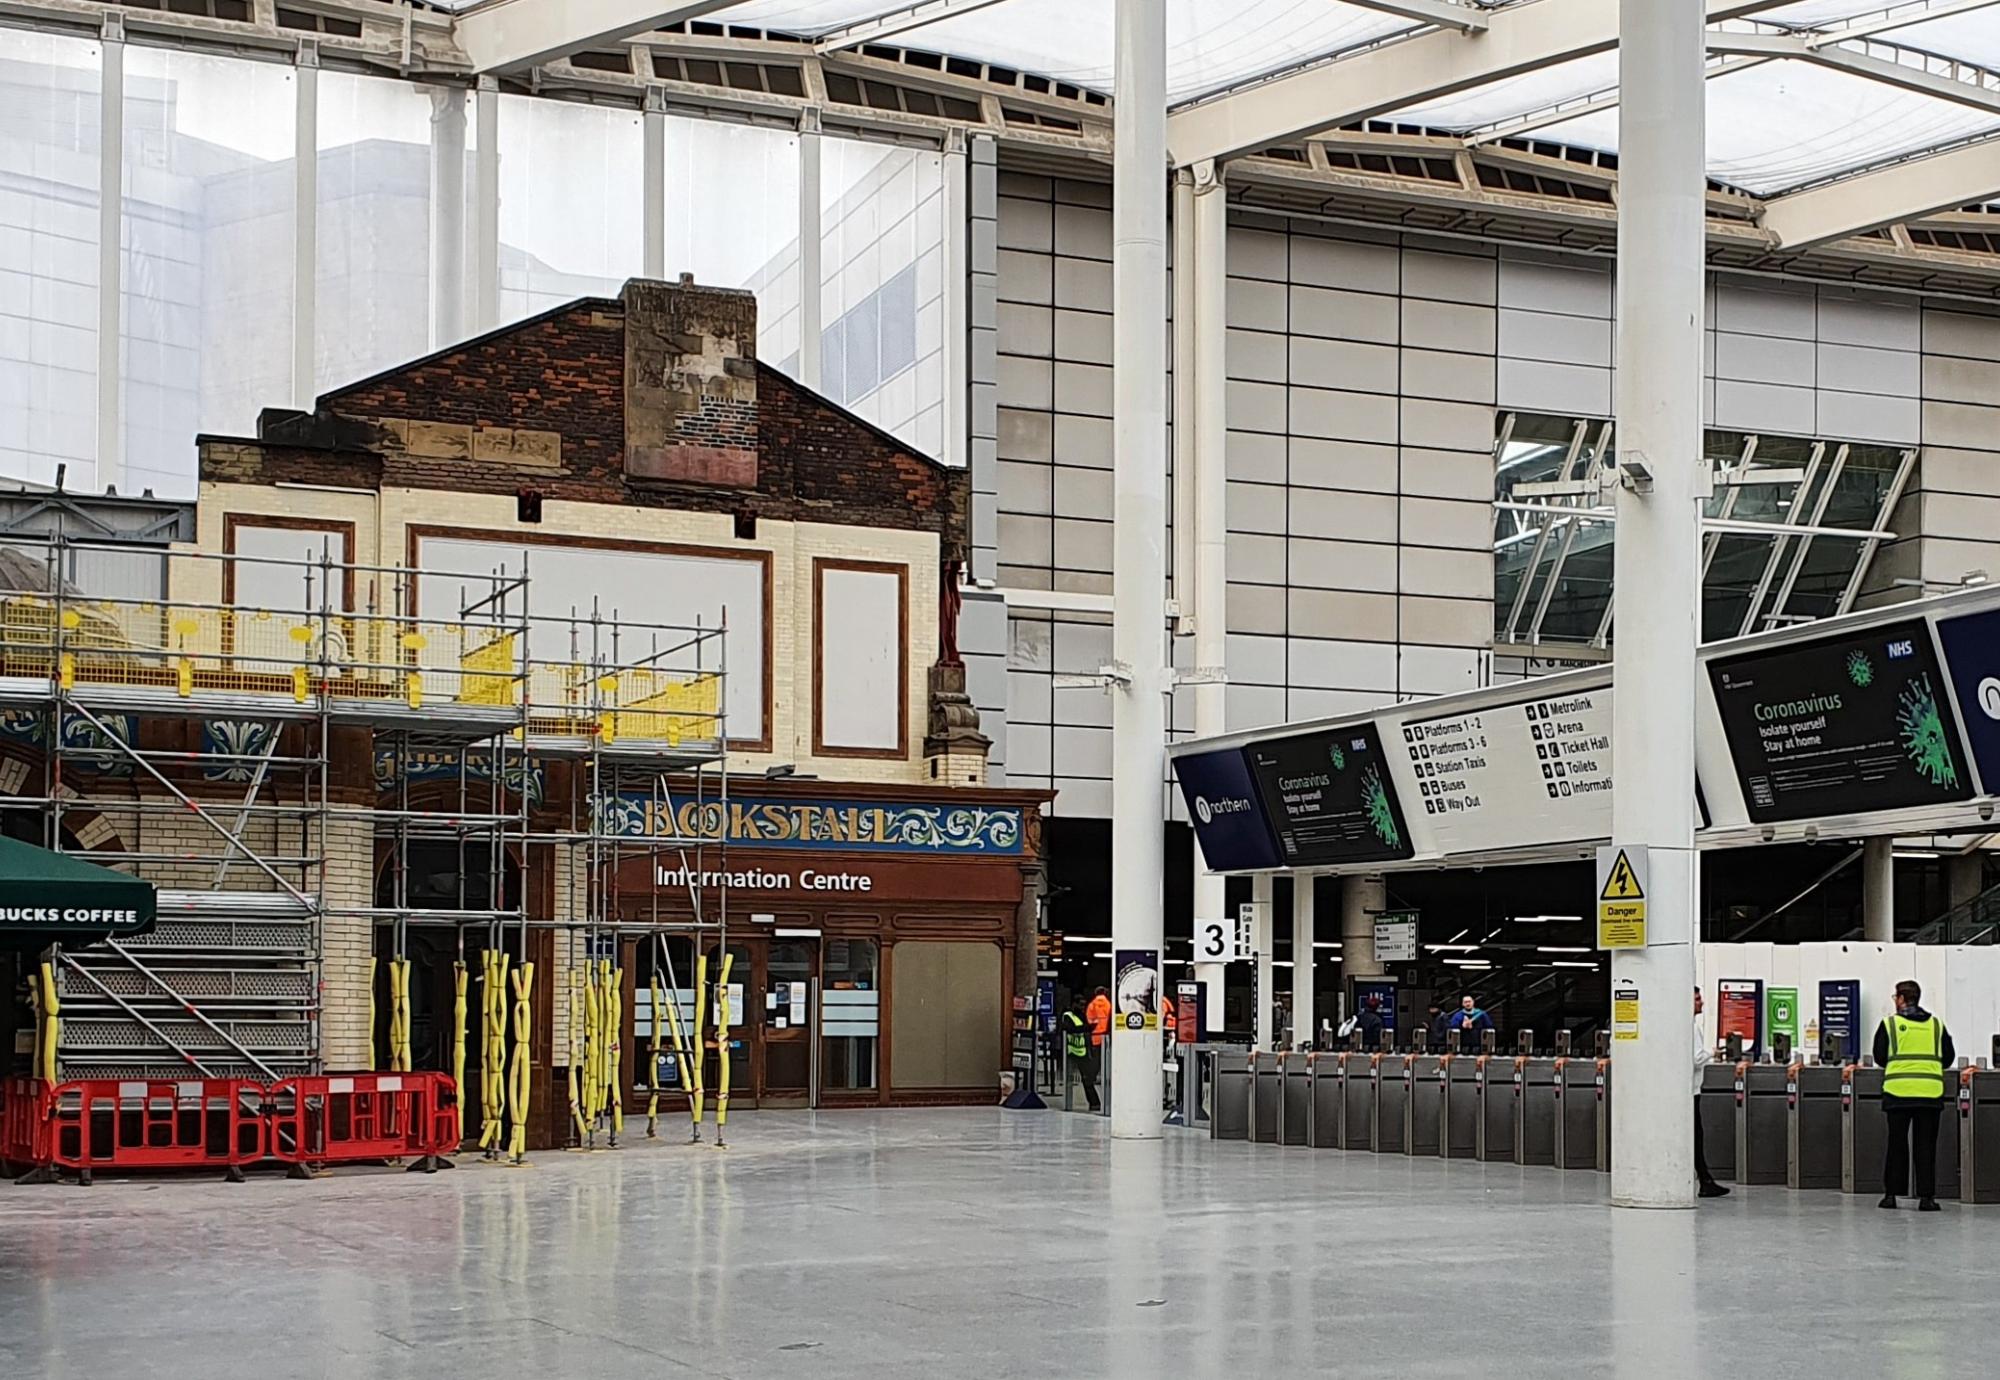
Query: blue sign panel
[1840, 1014]
[1972, 659]
[1228, 817]
[826, 826]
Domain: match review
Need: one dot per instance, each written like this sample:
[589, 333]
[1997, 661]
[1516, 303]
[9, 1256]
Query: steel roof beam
[1895, 17]
[1889, 195]
[1925, 74]
[1426, 66]
[1446, 14]
[510, 34]
[1521, 125]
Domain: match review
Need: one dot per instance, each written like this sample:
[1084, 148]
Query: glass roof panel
[1778, 126]
[1970, 37]
[1211, 44]
[1501, 100]
[1812, 13]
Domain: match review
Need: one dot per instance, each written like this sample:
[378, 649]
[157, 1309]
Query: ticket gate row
[1517, 1109]
[1805, 1126]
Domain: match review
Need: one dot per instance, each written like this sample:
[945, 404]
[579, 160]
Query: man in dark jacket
[1914, 1050]
[1369, 1026]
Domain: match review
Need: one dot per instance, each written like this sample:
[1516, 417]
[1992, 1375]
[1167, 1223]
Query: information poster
[1739, 1011]
[1382, 992]
[1781, 1014]
[1135, 1001]
[1840, 1014]
[1189, 1014]
[1224, 808]
[1329, 798]
[1841, 726]
[1516, 775]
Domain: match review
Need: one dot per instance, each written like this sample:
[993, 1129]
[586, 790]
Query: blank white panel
[263, 581]
[566, 583]
[860, 659]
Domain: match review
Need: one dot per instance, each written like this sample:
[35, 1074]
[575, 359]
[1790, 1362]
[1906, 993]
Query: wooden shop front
[873, 932]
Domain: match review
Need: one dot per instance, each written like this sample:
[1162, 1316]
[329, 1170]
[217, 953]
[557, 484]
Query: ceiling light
[1558, 949]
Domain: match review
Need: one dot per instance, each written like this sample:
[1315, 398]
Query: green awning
[45, 897]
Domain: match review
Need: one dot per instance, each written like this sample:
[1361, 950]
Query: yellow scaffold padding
[722, 1046]
[458, 985]
[700, 1027]
[614, 1043]
[51, 1024]
[371, 1015]
[518, 1084]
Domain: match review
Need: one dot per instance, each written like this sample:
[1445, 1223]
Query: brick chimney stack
[690, 383]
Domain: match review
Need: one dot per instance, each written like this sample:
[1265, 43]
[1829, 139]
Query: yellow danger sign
[1621, 896]
[1625, 1012]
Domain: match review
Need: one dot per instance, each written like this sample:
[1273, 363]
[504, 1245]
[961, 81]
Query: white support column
[1207, 327]
[1878, 891]
[957, 304]
[1139, 579]
[1662, 187]
[811, 287]
[1260, 942]
[111, 258]
[486, 208]
[653, 186]
[447, 215]
[305, 224]
[1305, 1020]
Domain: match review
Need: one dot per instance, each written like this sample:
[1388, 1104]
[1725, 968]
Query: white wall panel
[864, 685]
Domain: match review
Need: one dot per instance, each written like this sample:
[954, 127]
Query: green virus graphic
[1924, 737]
[1337, 757]
[1380, 816]
[1860, 670]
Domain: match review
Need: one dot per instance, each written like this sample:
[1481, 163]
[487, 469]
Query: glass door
[741, 1040]
[789, 984]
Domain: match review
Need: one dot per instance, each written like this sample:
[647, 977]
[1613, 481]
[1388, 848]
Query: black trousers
[1700, 1148]
[1907, 1121]
[1088, 1075]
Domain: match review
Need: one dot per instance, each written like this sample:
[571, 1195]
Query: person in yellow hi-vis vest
[1914, 1050]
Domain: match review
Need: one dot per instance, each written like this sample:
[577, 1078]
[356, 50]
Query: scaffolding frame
[463, 712]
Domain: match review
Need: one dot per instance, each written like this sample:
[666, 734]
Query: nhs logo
[1902, 649]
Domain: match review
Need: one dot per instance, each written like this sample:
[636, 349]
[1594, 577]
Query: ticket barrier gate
[1358, 1074]
[1295, 1093]
[1458, 1116]
[1762, 1122]
[1575, 1085]
[1863, 1133]
[1329, 1092]
[1266, 1096]
[1493, 1089]
[1423, 1074]
[1535, 1111]
[1715, 1111]
[1978, 1136]
[1392, 1103]
[1812, 1096]
[1229, 1099]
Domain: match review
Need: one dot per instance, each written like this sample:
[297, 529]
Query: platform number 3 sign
[1217, 941]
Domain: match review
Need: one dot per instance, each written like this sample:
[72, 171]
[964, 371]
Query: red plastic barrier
[347, 1118]
[157, 1123]
[24, 1122]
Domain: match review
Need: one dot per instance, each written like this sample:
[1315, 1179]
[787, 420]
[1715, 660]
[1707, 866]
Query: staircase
[224, 986]
[1976, 921]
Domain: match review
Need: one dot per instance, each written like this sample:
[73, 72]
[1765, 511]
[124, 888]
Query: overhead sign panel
[1841, 725]
[1972, 656]
[1329, 798]
[1228, 817]
[1517, 775]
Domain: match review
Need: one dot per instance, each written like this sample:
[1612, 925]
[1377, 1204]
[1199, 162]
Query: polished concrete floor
[952, 1245]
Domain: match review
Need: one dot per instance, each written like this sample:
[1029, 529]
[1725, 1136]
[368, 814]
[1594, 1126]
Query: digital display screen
[1329, 798]
[1228, 817]
[1841, 726]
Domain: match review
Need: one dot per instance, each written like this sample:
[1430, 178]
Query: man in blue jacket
[1469, 1020]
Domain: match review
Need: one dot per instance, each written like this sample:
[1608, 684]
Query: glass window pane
[849, 1009]
[571, 219]
[733, 219]
[373, 308]
[49, 103]
[208, 185]
[882, 257]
